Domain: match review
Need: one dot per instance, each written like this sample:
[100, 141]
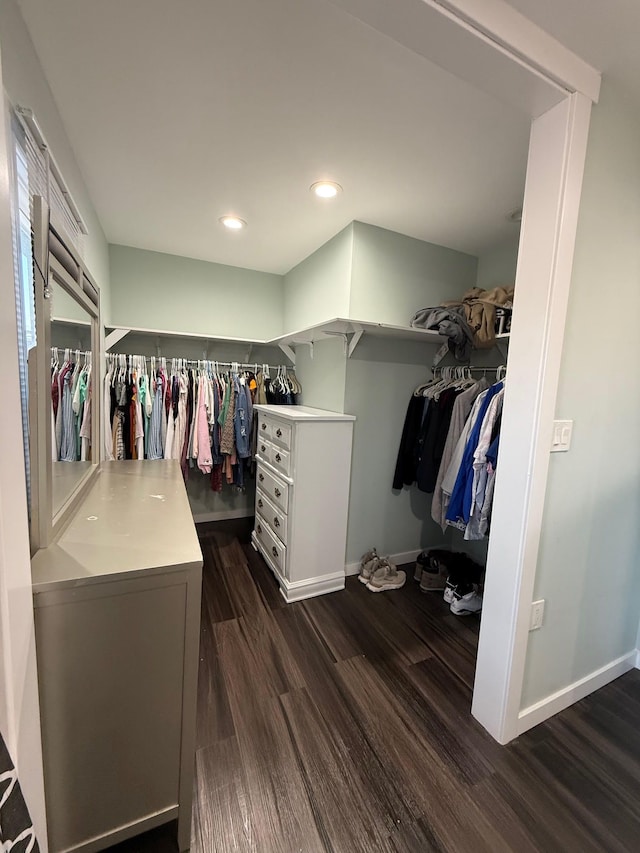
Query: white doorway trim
[550, 215]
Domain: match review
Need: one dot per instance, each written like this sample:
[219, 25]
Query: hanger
[419, 390]
[437, 385]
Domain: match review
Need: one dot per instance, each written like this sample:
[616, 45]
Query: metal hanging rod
[470, 368]
[240, 365]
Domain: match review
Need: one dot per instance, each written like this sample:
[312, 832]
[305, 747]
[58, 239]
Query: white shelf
[339, 327]
[167, 333]
[69, 321]
[351, 331]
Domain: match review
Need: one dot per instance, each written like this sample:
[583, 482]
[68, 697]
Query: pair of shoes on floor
[380, 574]
[464, 600]
[430, 572]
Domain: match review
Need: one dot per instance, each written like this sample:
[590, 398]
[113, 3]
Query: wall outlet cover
[537, 614]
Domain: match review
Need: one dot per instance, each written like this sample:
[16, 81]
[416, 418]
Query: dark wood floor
[342, 724]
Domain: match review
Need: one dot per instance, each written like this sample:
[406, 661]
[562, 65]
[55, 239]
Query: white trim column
[555, 168]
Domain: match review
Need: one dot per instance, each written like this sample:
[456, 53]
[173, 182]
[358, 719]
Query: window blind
[23, 278]
[43, 183]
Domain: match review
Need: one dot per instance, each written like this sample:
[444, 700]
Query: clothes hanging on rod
[449, 446]
[71, 388]
[198, 412]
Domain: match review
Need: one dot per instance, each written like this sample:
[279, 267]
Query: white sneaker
[450, 591]
[465, 605]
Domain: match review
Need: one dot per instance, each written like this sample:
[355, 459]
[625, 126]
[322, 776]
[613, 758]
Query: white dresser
[302, 497]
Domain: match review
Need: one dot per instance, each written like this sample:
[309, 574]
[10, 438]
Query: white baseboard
[399, 559]
[637, 664]
[222, 514]
[309, 588]
[545, 708]
[298, 590]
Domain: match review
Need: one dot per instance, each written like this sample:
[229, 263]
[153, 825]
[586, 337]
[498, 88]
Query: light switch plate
[537, 614]
[561, 438]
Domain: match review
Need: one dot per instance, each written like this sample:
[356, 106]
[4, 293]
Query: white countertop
[302, 413]
[135, 517]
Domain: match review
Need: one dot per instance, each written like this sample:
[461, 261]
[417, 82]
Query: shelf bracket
[353, 343]
[113, 337]
[290, 354]
[440, 354]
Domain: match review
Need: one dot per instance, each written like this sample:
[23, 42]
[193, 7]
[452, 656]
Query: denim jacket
[242, 420]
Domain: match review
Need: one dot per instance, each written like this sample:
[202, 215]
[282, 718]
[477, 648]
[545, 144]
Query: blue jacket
[459, 509]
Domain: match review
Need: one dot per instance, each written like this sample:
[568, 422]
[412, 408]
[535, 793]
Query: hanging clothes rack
[197, 411]
[459, 371]
[71, 389]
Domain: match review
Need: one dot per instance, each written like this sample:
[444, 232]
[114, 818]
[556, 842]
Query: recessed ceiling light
[326, 189]
[233, 223]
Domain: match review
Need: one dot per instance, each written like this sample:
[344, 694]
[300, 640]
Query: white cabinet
[117, 617]
[302, 497]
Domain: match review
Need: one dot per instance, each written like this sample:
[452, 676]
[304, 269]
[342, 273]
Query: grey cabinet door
[111, 660]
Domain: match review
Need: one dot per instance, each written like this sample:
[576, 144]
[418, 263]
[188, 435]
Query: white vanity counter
[135, 517]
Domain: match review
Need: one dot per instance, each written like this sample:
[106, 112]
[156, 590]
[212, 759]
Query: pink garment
[205, 461]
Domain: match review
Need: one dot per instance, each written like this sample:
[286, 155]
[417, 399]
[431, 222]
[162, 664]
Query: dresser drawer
[271, 544]
[274, 488]
[276, 518]
[280, 434]
[264, 427]
[279, 458]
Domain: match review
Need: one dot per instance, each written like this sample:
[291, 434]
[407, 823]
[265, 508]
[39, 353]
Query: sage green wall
[393, 276]
[153, 290]
[588, 566]
[323, 376]
[317, 289]
[387, 277]
[27, 86]
[381, 375]
[497, 266]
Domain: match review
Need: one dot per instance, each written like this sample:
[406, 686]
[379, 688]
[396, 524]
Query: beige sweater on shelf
[480, 311]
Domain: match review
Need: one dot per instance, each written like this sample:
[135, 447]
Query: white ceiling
[181, 112]
[605, 33]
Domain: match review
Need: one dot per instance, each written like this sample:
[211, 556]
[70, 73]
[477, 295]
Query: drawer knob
[276, 522]
[277, 492]
[278, 457]
[260, 502]
[262, 448]
[279, 433]
[259, 528]
[263, 426]
[274, 551]
[261, 477]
